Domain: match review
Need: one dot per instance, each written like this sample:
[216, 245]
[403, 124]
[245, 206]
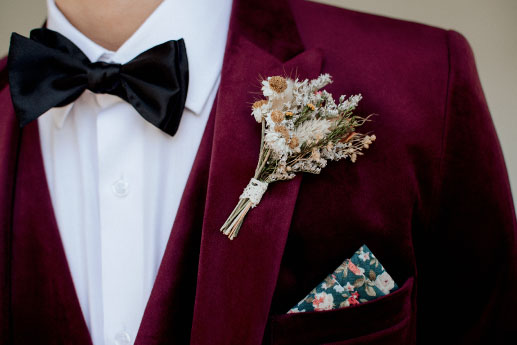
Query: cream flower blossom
[323, 301]
[312, 129]
[339, 288]
[260, 109]
[364, 255]
[349, 287]
[384, 282]
[277, 143]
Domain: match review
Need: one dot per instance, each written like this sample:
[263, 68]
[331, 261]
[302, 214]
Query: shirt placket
[120, 157]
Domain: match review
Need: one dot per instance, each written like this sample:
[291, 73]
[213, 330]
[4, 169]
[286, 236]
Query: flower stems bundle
[302, 128]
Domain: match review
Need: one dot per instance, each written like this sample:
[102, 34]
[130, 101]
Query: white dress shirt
[115, 180]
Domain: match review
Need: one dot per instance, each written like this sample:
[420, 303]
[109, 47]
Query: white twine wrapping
[254, 191]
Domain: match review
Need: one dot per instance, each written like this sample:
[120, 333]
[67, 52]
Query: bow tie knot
[103, 77]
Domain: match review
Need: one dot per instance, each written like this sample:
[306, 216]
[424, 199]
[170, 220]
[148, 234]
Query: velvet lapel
[44, 298]
[168, 314]
[41, 307]
[236, 278]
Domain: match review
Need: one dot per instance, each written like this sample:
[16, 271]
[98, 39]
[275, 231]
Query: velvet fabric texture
[430, 194]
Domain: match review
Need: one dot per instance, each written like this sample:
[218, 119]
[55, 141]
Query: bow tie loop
[103, 77]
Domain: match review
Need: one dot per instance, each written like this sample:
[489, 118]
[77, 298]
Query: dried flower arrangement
[302, 128]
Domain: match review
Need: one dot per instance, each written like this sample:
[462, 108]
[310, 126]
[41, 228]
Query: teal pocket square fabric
[359, 279]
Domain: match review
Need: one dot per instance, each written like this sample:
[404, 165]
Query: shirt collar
[172, 20]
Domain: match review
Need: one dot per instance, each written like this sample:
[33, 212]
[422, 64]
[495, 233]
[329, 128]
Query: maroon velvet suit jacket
[430, 198]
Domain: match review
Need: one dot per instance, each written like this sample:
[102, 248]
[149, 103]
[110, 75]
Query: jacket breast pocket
[385, 320]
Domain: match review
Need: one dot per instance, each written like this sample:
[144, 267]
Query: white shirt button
[122, 338]
[120, 188]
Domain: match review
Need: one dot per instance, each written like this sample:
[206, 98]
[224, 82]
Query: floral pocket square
[359, 279]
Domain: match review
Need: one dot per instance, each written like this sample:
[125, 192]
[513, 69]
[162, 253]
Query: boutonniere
[302, 128]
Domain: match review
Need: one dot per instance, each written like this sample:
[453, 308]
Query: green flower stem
[257, 172]
[235, 213]
[234, 222]
[260, 168]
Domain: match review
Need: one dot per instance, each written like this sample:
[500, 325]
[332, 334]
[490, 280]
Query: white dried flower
[277, 143]
[349, 104]
[278, 90]
[280, 100]
[367, 140]
[259, 109]
[309, 130]
[320, 82]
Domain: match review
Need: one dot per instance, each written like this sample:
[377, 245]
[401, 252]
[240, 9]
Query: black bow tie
[48, 71]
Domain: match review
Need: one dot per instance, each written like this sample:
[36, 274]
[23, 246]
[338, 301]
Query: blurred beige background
[490, 27]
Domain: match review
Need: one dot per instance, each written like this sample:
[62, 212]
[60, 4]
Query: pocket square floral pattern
[359, 279]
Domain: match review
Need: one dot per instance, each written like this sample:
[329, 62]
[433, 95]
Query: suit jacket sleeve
[467, 272]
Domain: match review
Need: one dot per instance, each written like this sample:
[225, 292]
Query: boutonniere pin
[302, 128]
